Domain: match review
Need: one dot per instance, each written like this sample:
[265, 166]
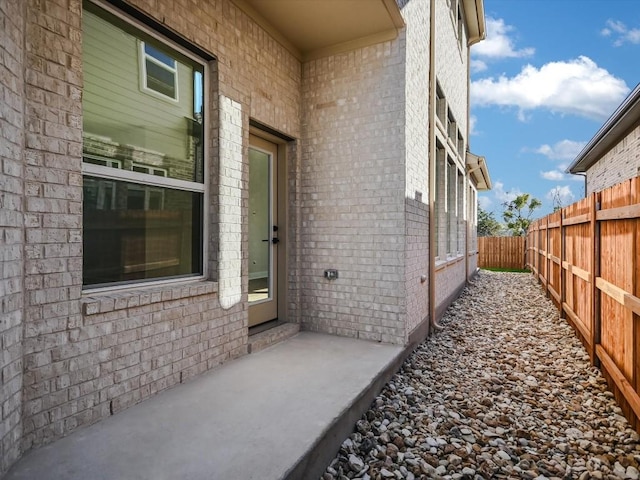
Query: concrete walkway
[278, 413]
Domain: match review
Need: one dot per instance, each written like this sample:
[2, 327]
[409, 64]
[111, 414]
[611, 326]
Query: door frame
[281, 263]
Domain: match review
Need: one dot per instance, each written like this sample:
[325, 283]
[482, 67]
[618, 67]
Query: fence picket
[501, 252]
[594, 277]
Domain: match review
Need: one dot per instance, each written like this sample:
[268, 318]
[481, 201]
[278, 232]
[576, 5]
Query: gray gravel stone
[504, 391]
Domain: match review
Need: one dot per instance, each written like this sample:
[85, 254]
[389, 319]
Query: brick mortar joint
[105, 302]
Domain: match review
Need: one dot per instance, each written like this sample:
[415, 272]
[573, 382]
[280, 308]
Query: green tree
[488, 226]
[518, 212]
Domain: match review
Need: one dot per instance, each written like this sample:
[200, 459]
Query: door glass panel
[260, 226]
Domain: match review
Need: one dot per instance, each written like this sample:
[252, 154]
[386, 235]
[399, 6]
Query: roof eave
[478, 169]
[626, 116]
[474, 13]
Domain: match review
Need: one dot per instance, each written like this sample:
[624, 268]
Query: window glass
[143, 155]
[160, 79]
[160, 71]
[452, 227]
[135, 232]
[124, 121]
[159, 56]
[440, 199]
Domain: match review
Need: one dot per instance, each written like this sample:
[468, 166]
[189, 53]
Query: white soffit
[477, 168]
[317, 28]
[474, 13]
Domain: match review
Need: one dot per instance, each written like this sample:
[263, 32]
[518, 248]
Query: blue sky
[546, 78]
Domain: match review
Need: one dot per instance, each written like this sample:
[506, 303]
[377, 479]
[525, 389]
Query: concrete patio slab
[278, 413]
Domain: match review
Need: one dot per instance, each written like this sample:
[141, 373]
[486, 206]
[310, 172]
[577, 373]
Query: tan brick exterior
[620, 163]
[357, 201]
[416, 229]
[452, 72]
[86, 357]
[12, 24]
[352, 194]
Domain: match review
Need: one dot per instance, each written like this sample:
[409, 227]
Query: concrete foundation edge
[315, 461]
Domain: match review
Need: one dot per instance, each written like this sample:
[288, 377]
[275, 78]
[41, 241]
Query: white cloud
[558, 175]
[478, 66]
[562, 150]
[504, 196]
[561, 196]
[473, 121]
[621, 33]
[555, 175]
[498, 44]
[485, 202]
[578, 87]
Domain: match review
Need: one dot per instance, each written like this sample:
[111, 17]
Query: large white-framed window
[452, 214]
[441, 202]
[441, 105]
[461, 214]
[144, 158]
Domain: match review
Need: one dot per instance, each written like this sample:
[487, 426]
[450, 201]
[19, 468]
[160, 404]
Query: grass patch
[513, 270]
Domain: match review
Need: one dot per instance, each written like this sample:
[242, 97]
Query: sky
[543, 82]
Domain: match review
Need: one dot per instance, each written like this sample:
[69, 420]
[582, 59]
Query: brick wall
[87, 356]
[352, 193]
[473, 264]
[416, 16]
[230, 205]
[452, 75]
[294, 225]
[472, 230]
[54, 362]
[12, 18]
[357, 185]
[451, 65]
[618, 164]
[449, 279]
[441, 234]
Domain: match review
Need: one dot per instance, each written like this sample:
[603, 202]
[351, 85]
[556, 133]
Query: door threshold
[269, 333]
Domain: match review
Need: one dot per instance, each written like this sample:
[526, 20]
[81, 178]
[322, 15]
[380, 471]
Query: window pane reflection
[137, 232]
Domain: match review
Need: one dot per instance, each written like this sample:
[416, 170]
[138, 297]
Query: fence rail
[586, 258]
[501, 252]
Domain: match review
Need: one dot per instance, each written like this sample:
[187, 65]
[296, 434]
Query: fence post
[635, 318]
[537, 253]
[563, 278]
[595, 267]
[533, 253]
[547, 256]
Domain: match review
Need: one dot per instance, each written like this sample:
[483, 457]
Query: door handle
[273, 240]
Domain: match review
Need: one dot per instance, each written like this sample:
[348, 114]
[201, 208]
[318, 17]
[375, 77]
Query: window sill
[136, 296]
[450, 261]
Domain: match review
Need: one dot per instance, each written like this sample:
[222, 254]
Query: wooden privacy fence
[586, 257]
[501, 252]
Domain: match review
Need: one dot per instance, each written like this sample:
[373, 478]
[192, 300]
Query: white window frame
[120, 174]
[150, 169]
[107, 162]
[147, 191]
[143, 56]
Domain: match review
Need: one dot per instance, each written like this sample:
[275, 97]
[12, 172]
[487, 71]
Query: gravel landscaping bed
[506, 390]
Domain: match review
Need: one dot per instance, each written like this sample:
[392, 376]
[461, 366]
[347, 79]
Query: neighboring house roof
[625, 117]
[474, 13]
[477, 168]
[314, 29]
